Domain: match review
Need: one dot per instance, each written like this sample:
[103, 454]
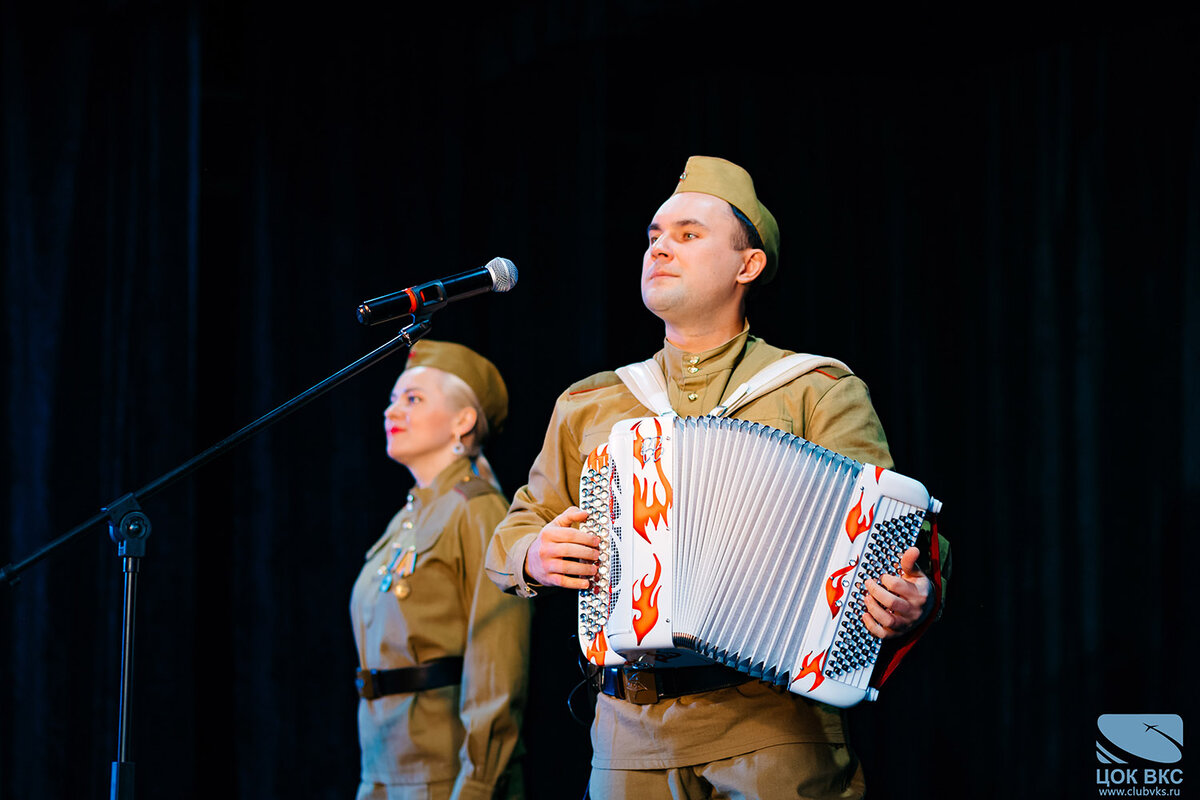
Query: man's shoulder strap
[771, 377]
[646, 381]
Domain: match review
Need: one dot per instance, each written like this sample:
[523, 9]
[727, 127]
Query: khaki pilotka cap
[731, 183]
[473, 369]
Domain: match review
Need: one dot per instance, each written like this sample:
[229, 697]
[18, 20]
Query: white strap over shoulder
[646, 381]
[648, 384]
[772, 377]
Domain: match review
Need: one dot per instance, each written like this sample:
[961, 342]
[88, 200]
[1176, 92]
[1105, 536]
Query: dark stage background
[993, 217]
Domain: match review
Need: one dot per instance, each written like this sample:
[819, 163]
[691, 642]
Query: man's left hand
[897, 603]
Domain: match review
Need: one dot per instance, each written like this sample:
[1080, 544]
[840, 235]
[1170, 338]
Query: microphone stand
[129, 527]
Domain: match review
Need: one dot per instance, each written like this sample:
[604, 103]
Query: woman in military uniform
[442, 652]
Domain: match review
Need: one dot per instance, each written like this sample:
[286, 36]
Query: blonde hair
[459, 395]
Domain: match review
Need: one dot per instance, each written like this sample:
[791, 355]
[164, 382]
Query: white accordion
[728, 541]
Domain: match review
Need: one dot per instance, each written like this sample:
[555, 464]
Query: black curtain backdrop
[993, 217]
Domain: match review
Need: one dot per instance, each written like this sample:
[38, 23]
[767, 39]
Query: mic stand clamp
[128, 526]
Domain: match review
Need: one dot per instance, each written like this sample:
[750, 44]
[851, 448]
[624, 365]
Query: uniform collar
[458, 471]
[681, 365]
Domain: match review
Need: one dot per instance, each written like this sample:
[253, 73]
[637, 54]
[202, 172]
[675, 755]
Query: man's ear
[753, 263]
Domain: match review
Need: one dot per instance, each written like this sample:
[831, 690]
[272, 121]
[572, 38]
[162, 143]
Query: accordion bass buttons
[594, 605]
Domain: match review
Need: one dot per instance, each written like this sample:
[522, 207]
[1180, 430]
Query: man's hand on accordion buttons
[562, 555]
[897, 604]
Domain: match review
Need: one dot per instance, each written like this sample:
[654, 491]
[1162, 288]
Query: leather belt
[372, 683]
[644, 686]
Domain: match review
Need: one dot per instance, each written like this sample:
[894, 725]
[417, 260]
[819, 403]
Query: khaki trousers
[510, 787]
[417, 791]
[786, 771]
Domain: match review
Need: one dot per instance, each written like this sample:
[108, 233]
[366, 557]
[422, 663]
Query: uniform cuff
[516, 565]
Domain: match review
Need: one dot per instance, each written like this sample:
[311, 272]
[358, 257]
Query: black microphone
[498, 275]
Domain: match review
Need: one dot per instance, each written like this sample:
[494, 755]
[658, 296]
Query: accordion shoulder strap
[772, 377]
[646, 381]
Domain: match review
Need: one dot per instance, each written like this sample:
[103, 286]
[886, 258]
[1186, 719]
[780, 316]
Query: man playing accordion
[704, 730]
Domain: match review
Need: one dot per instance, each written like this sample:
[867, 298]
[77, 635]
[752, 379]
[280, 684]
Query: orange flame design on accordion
[598, 458]
[856, 521]
[833, 588]
[653, 512]
[812, 666]
[645, 602]
[597, 648]
[647, 509]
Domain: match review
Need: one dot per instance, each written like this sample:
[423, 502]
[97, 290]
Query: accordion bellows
[729, 541]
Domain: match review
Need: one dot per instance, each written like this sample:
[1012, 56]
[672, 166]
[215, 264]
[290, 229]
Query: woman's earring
[458, 448]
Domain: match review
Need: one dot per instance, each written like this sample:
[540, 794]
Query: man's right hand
[562, 555]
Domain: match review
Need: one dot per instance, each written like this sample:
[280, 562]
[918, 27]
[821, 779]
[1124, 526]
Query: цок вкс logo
[1134, 738]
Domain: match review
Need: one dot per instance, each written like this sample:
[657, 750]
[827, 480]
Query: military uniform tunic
[827, 406]
[439, 603]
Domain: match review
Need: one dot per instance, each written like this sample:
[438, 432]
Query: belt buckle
[640, 686]
[364, 681]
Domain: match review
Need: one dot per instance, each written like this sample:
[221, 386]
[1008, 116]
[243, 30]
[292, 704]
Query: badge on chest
[401, 565]
[403, 560]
